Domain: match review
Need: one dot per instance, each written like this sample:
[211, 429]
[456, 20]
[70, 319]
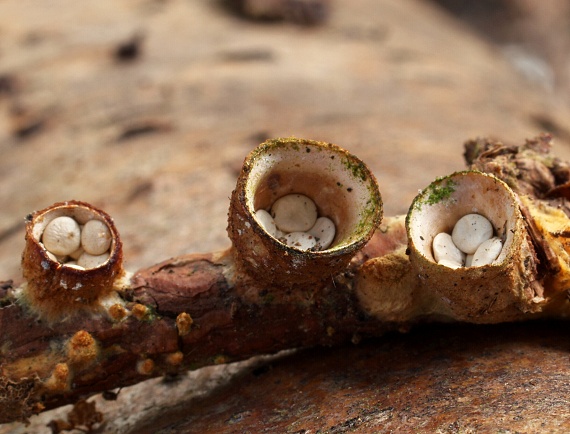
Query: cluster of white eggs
[293, 220]
[77, 246]
[471, 243]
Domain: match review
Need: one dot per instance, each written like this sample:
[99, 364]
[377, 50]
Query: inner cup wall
[474, 194]
[320, 174]
[80, 214]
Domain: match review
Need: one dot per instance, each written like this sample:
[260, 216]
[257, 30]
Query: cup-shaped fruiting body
[62, 277]
[499, 290]
[340, 186]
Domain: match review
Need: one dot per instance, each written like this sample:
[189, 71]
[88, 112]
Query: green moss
[284, 142]
[373, 209]
[438, 191]
[357, 168]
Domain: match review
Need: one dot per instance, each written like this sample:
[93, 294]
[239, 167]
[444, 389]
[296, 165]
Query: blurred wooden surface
[435, 379]
[157, 140]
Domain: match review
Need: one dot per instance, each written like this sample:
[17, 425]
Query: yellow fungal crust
[82, 349]
[554, 227]
[183, 323]
[145, 367]
[59, 379]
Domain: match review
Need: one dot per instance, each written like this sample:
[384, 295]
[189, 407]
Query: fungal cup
[54, 288]
[485, 293]
[340, 185]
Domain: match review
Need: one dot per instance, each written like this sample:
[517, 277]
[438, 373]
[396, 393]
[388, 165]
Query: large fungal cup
[56, 285]
[488, 293]
[340, 185]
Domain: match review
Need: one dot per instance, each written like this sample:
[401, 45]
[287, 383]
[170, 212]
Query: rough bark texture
[182, 314]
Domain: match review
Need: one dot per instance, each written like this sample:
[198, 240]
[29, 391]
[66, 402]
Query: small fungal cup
[340, 185]
[488, 293]
[56, 286]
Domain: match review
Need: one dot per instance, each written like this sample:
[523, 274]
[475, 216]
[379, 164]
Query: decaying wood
[200, 309]
[232, 319]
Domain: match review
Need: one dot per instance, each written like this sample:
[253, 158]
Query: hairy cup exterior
[342, 188]
[54, 290]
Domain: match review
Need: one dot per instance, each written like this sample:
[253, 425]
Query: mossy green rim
[370, 216]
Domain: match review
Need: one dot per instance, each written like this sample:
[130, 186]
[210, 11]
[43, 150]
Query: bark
[231, 319]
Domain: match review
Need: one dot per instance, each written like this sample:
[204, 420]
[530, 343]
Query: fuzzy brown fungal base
[205, 309]
[54, 290]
